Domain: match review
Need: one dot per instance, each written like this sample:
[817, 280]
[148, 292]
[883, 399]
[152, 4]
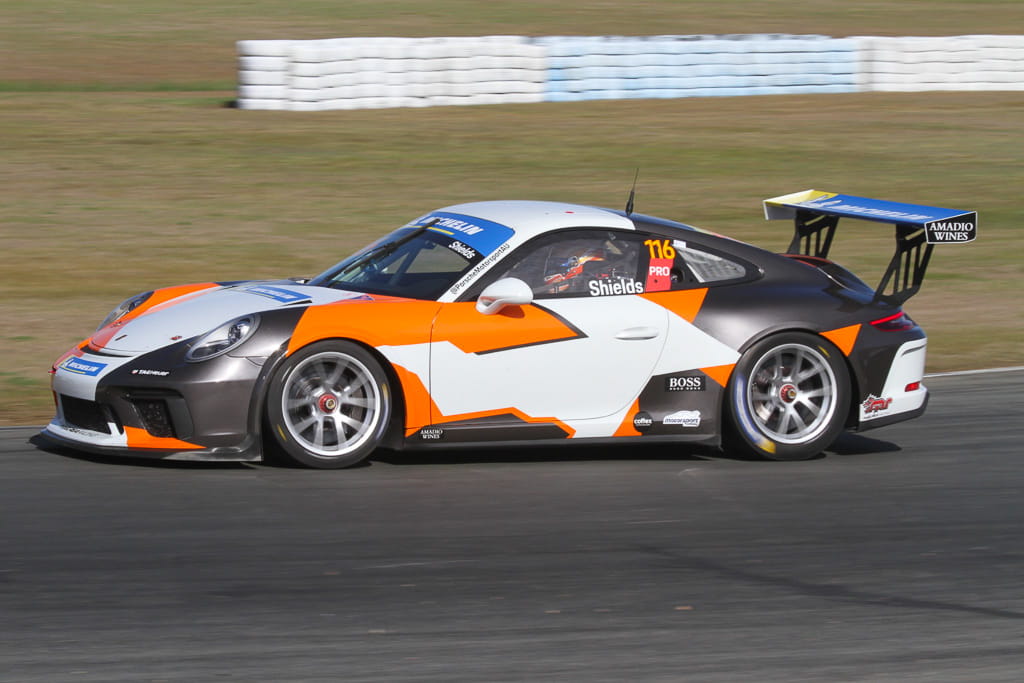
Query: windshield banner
[482, 235]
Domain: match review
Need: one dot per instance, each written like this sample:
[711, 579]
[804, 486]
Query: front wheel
[329, 405]
[788, 398]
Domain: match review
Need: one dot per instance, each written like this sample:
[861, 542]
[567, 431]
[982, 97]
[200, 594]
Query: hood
[192, 315]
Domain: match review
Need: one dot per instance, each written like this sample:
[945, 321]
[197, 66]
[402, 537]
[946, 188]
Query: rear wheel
[788, 398]
[329, 405]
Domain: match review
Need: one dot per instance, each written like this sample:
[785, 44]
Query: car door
[583, 349]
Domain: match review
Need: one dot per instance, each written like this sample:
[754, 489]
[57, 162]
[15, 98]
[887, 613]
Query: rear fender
[855, 375]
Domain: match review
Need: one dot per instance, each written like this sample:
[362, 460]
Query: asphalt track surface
[897, 557]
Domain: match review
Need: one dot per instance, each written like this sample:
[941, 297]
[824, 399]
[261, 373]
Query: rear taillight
[897, 322]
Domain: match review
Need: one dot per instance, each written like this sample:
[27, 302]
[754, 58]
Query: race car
[520, 323]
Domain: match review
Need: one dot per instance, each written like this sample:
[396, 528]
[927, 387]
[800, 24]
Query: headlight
[223, 339]
[124, 308]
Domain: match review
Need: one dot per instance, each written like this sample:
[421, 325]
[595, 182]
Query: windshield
[415, 262]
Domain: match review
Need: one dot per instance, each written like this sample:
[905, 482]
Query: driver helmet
[573, 266]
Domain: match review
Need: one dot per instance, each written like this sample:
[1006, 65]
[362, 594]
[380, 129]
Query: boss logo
[690, 383]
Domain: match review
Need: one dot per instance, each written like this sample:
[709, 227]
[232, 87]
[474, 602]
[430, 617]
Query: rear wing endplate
[816, 215]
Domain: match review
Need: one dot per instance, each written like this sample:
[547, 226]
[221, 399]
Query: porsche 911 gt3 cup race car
[520, 322]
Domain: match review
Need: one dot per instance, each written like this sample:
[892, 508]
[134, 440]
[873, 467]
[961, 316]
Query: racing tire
[329, 405]
[788, 398]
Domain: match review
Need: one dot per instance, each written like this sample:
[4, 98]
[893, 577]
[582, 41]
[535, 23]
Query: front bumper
[62, 436]
[157, 405]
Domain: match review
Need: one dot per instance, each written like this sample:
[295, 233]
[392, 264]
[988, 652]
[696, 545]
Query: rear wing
[816, 215]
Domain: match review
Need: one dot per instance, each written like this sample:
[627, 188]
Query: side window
[580, 263]
[693, 266]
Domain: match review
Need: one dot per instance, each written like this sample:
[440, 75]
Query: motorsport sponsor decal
[686, 383]
[683, 418]
[479, 268]
[609, 288]
[469, 253]
[642, 422]
[154, 373]
[285, 296]
[483, 235]
[78, 430]
[78, 366]
[959, 229]
[874, 404]
[431, 433]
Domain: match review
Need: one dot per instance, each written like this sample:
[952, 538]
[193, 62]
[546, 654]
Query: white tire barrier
[361, 73]
[697, 66]
[370, 73]
[946, 63]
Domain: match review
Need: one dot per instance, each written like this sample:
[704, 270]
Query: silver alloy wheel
[792, 393]
[331, 404]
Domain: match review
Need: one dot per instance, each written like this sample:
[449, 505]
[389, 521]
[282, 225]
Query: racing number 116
[660, 249]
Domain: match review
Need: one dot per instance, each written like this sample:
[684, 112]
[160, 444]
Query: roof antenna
[632, 194]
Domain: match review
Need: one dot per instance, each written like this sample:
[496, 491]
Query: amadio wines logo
[957, 229]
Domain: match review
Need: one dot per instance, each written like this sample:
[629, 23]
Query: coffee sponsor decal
[642, 422]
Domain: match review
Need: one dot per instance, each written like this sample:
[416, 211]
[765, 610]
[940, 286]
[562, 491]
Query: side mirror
[509, 291]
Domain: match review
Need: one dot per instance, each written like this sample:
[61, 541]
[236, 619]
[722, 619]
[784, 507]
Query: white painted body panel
[588, 377]
[587, 383]
[196, 314]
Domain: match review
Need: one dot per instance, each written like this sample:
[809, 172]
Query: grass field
[123, 170]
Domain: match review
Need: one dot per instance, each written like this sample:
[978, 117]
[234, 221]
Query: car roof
[531, 218]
